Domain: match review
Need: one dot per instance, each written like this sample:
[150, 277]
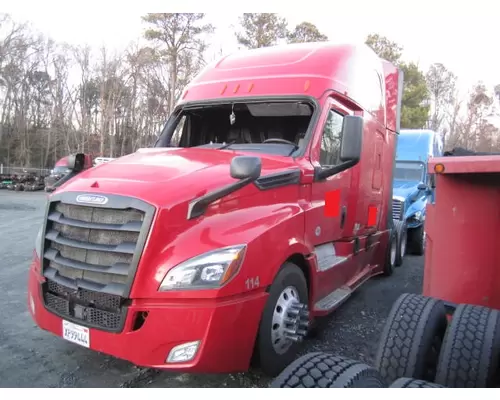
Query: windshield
[269, 127]
[409, 171]
[60, 170]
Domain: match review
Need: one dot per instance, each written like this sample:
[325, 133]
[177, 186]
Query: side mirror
[422, 186]
[433, 181]
[350, 147]
[76, 162]
[244, 167]
[352, 139]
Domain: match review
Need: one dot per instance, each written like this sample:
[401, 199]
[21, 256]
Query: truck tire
[411, 339]
[278, 340]
[411, 383]
[323, 370]
[417, 241]
[390, 259]
[470, 354]
[402, 235]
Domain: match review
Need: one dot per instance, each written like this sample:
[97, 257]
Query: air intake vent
[280, 179]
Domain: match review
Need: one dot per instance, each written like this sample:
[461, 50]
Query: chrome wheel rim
[287, 300]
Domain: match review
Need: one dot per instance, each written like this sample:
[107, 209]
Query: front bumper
[227, 330]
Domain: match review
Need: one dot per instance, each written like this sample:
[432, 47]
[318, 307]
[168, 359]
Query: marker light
[307, 85]
[439, 168]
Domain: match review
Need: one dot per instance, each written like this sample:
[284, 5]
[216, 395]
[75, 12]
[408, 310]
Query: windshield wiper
[225, 146]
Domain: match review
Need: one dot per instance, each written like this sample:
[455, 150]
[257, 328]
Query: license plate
[76, 334]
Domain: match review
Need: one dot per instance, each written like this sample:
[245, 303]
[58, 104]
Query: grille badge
[91, 199]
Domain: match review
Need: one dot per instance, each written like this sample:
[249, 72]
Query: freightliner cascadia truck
[264, 203]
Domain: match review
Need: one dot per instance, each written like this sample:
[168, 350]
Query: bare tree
[56, 99]
[441, 83]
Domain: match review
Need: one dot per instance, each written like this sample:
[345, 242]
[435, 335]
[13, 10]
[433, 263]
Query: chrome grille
[90, 256]
[397, 209]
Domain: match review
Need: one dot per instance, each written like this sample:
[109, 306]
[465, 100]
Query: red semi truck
[265, 202]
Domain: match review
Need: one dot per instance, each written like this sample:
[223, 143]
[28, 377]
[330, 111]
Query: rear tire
[411, 339]
[411, 383]
[323, 370]
[402, 236]
[272, 354]
[470, 355]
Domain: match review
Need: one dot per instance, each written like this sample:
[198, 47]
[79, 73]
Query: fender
[273, 232]
[417, 207]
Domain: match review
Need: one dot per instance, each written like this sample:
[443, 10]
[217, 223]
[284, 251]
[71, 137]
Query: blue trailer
[413, 187]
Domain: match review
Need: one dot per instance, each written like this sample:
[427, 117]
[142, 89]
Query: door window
[331, 140]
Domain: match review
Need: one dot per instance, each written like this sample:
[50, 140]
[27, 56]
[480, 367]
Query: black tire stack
[418, 349]
[418, 343]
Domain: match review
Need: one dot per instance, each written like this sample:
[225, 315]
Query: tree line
[120, 102]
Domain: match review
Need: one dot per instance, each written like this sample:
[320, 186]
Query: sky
[461, 35]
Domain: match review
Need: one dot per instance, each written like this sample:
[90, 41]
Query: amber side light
[307, 85]
[439, 168]
[234, 267]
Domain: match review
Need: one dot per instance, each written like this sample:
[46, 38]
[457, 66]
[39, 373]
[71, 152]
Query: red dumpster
[462, 255]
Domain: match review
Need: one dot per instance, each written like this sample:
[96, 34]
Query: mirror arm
[325, 173]
[197, 207]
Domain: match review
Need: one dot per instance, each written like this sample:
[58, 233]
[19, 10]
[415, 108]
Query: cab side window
[331, 140]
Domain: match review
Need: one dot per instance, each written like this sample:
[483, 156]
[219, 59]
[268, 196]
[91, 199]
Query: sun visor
[279, 109]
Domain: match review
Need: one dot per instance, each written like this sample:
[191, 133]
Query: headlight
[209, 270]
[38, 243]
[418, 214]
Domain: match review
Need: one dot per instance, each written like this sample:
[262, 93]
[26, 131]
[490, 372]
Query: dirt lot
[30, 357]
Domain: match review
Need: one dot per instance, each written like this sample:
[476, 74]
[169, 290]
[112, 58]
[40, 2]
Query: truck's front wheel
[401, 230]
[392, 249]
[284, 321]
[417, 240]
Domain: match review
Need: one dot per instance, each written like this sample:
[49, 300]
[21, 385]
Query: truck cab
[264, 203]
[413, 185]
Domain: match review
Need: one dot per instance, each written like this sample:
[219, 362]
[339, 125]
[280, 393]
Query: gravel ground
[30, 357]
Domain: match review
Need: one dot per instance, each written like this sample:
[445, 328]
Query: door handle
[342, 216]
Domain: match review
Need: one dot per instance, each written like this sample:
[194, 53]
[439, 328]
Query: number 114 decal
[252, 283]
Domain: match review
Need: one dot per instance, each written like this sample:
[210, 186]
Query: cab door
[325, 220]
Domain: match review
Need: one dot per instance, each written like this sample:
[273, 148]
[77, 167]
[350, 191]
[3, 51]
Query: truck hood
[404, 188]
[166, 176]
